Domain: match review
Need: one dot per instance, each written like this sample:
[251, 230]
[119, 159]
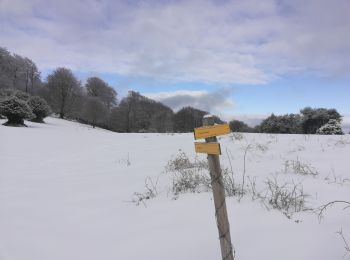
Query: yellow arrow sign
[210, 131]
[209, 148]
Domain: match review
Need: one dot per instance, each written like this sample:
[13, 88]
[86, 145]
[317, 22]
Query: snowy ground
[66, 192]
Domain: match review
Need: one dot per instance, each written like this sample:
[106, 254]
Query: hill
[68, 191]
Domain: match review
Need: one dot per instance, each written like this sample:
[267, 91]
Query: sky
[237, 59]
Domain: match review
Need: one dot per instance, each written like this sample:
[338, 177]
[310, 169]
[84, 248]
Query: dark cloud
[213, 102]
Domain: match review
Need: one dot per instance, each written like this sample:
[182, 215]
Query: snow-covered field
[66, 192]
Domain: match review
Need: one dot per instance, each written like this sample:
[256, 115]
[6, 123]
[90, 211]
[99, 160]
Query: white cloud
[222, 42]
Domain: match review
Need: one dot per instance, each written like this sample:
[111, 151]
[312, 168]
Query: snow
[66, 192]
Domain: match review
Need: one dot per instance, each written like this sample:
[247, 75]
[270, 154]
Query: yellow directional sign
[210, 131]
[209, 148]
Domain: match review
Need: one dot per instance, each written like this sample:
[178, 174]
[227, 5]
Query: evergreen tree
[284, 124]
[16, 111]
[331, 128]
[40, 108]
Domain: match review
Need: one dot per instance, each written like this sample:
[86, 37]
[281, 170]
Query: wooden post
[219, 198]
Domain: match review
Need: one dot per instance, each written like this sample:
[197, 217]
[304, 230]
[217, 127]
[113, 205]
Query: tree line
[308, 121]
[96, 103]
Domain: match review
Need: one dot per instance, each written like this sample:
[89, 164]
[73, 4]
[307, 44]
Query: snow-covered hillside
[67, 192]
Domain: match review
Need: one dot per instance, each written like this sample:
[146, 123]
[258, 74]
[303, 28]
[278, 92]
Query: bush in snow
[187, 175]
[22, 95]
[286, 197]
[150, 193]
[40, 108]
[16, 111]
[331, 128]
[193, 176]
[296, 166]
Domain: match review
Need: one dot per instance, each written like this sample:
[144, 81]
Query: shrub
[16, 111]
[40, 108]
[297, 167]
[150, 193]
[287, 197]
[187, 175]
[331, 128]
[193, 176]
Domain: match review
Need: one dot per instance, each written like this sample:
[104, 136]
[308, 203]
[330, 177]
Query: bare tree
[138, 113]
[15, 65]
[17, 72]
[94, 112]
[96, 87]
[5, 69]
[188, 118]
[64, 90]
[30, 73]
[162, 121]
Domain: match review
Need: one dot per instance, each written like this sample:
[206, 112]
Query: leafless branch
[346, 244]
[322, 208]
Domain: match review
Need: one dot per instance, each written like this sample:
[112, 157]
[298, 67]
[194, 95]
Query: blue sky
[238, 59]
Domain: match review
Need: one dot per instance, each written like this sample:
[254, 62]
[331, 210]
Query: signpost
[212, 148]
[211, 130]
[209, 148]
